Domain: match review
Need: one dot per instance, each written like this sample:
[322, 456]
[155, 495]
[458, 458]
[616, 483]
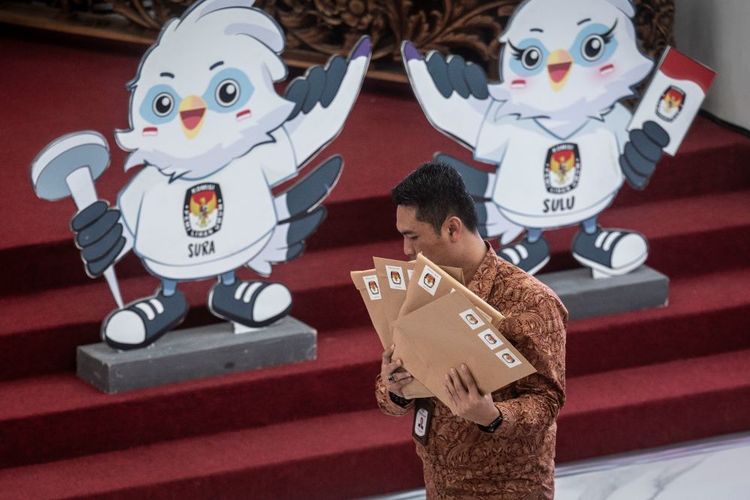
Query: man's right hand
[392, 374]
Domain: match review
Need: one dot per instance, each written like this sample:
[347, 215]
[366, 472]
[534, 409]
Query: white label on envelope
[429, 280]
[373, 288]
[490, 339]
[508, 358]
[472, 319]
[395, 277]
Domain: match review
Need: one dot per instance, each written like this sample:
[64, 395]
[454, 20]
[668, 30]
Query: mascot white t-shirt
[546, 181]
[214, 224]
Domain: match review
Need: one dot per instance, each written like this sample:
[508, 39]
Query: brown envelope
[369, 288]
[391, 278]
[394, 277]
[449, 331]
[426, 272]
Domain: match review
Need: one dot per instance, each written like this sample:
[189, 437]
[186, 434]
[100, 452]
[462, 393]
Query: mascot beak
[558, 67]
[192, 111]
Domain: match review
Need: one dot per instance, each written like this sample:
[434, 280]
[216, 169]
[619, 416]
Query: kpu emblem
[203, 210]
[671, 103]
[562, 168]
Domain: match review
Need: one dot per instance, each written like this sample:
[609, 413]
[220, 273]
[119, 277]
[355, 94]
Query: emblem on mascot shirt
[671, 103]
[562, 168]
[203, 210]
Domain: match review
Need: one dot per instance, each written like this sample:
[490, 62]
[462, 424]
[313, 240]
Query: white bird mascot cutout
[552, 127]
[214, 138]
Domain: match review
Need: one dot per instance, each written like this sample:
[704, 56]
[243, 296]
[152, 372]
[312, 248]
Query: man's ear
[455, 228]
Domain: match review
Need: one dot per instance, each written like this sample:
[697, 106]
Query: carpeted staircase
[312, 430]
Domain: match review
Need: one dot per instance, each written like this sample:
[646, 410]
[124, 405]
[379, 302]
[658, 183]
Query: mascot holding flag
[553, 128]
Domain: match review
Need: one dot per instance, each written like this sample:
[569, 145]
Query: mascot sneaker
[143, 322]
[250, 303]
[528, 256]
[610, 252]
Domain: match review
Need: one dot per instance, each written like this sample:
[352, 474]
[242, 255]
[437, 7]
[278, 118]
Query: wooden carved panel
[316, 29]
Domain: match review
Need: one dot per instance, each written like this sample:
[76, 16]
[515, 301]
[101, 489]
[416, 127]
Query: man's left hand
[468, 402]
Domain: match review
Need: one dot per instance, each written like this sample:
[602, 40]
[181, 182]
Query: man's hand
[468, 401]
[392, 374]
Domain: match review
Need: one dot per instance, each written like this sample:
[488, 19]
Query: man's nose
[408, 248]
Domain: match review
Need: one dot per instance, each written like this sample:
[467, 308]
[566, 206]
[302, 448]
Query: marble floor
[714, 469]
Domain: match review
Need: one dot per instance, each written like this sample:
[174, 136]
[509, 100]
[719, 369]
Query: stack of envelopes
[436, 324]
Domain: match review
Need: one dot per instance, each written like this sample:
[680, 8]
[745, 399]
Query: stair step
[86, 421]
[346, 358]
[654, 405]
[706, 314]
[307, 459]
[649, 406]
[687, 238]
[670, 226]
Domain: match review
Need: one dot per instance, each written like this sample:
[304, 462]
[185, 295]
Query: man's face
[421, 237]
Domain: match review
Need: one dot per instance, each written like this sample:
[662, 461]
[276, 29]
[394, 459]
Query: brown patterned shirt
[517, 460]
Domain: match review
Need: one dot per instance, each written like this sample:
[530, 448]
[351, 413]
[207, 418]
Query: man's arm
[542, 394]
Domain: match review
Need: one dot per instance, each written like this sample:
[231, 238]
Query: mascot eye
[593, 47]
[163, 104]
[227, 92]
[531, 58]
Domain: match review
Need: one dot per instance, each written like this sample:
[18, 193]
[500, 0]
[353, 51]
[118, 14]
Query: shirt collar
[484, 277]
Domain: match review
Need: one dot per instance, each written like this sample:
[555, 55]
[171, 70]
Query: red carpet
[311, 430]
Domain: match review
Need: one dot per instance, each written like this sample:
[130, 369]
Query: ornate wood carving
[316, 29]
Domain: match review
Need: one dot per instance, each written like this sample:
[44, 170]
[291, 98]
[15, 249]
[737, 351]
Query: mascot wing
[453, 93]
[323, 99]
[300, 212]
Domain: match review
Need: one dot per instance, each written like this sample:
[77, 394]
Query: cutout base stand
[586, 297]
[196, 353]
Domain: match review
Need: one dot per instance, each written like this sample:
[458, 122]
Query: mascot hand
[642, 151]
[98, 236]
[455, 75]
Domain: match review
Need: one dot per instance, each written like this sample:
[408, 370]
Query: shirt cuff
[402, 402]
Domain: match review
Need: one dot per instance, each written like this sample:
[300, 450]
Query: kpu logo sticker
[670, 104]
[395, 277]
[373, 289]
[203, 210]
[472, 319]
[508, 358]
[490, 339]
[429, 280]
[562, 169]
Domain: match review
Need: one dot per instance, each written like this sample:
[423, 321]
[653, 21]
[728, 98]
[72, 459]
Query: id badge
[423, 410]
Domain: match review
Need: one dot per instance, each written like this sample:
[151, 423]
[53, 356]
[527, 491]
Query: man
[498, 445]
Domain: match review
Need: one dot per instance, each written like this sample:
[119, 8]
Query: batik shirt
[517, 460]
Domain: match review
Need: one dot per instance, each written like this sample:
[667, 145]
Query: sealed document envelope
[449, 331]
[393, 277]
[431, 282]
[674, 96]
[369, 288]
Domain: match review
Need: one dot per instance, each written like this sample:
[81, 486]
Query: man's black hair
[438, 192]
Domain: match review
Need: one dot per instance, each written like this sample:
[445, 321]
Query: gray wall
[717, 33]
